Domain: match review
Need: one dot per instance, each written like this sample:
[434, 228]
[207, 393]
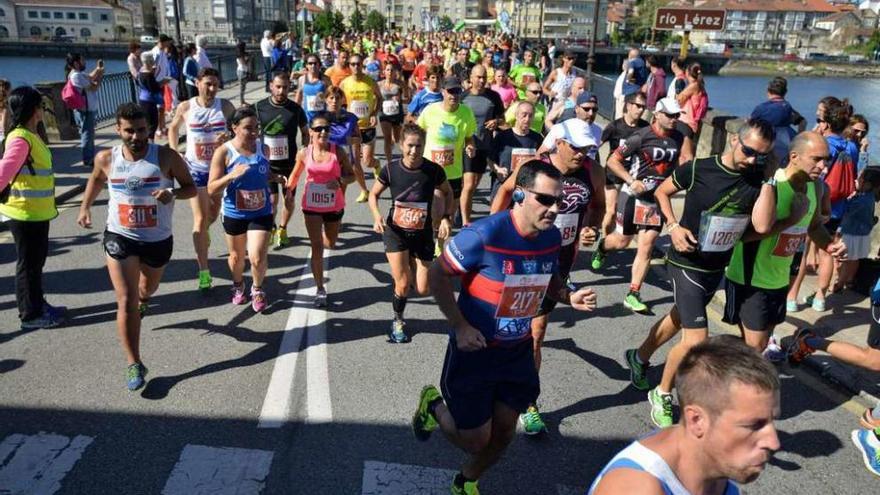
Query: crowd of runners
[459, 106]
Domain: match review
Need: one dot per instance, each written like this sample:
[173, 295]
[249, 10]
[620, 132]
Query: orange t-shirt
[336, 74]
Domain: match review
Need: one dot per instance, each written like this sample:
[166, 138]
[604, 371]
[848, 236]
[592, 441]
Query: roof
[311, 8]
[64, 3]
[616, 13]
[761, 5]
[836, 17]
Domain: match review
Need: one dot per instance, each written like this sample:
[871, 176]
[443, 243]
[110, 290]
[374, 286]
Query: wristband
[672, 226]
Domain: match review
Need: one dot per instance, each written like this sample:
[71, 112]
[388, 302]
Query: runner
[507, 262]
[431, 93]
[280, 119]
[525, 73]
[729, 399]
[205, 117]
[241, 171]
[340, 69]
[614, 134]
[655, 152]
[502, 86]
[344, 131]
[407, 232]
[391, 111]
[557, 86]
[409, 58]
[311, 88]
[461, 69]
[724, 197]
[565, 109]
[328, 171]
[581, 178]
[362, 96]
[533, 96]
[488, 111]
[514, 146]
[138, 238]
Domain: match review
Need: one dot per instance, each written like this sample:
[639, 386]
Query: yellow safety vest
[32, 196]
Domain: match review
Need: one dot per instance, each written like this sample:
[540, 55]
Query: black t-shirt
[506, 142]
[280, 125]
[652, 157]
[712, 189]
[486, 106]
[461, 70]
[412, 191]
[617, 131]
[578, 191]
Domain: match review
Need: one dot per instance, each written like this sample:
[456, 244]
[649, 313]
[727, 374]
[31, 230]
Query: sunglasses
[750, 152]
[453, 91]
[312, 63]
[548, 199]
[588, 109]
[321, 128]
[672, 115]
[640, 106]
[860, 131]
[583, 150]
[354, 64]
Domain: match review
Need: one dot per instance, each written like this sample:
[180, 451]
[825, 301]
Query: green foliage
[356, 20]
[445, 23]
[328, 23]
[375, 21]
[615, 38]
[642, 22]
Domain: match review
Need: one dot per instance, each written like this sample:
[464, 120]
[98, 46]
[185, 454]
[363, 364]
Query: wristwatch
[771, 181]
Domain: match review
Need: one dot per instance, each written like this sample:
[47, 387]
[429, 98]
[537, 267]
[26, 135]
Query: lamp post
[591, 58]
[409, 10]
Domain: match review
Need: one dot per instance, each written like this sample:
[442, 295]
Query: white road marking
[318, 406]
[219, 470]
[38, 463]
[382, 478]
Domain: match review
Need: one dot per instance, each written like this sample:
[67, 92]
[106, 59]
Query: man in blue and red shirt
[508, 262]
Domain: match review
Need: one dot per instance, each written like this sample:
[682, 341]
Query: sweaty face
[134, 134]
[412, 147]
[208, 86]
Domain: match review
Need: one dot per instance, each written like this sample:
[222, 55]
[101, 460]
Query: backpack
[841, 179]
[73, 97]
[29, 163]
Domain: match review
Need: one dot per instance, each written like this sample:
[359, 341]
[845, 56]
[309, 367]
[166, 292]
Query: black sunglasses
[640, 106]
[535, 91]
[354, 64]
[671, 115]
[588, 109]
[314, 62]
[321, 128]
[454, 91]
[547, 199]
[860, 131]
[750, 152]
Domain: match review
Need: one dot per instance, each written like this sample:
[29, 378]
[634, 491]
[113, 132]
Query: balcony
[557, 10]
[556, 23]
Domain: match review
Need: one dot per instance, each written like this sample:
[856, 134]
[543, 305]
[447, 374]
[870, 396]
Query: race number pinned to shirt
[314, 103]
[319, 196]
[789, 241]
[518, 156]
[522, 295]
[718, 233]
[253, 200]
[361, 108]
[567, 223]
[391, 107]
[139, 213]
[443, 155]
[410, 215]
[204, 146]
[647, 214]
[278, 147]
[527, 79]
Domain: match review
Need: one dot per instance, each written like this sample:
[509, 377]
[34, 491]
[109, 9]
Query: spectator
[163, 74]
[280, 60]
[191, 70]
[172, 85]
[694, 100]
[242, 69]
[636, 73]
[88, 84]
[778, 113]
[202, 53]
[149, 91]
[293, 49]
[655, 88]
[5, 87]
[134, 59]
[858, 134]
[679, 80]
[266, 46]
[856, 225]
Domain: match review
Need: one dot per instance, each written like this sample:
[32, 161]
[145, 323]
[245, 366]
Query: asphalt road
[299, 400]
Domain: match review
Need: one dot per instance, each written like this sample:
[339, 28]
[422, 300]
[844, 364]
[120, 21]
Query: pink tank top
[318, 197]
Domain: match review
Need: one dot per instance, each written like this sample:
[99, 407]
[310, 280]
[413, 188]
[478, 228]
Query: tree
[445, 24]
[327, 23]
[339, 23]
[356, 20]
[375, 21]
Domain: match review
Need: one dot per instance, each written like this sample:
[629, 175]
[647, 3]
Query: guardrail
[603, 88]
[116, 89]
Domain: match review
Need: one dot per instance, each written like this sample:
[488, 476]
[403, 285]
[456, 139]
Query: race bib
[522, 295]
[360, 108]
[527, 79]
[250, 200]
[319, 196]
[410, 216]
[278, 148]
[204, 147]
[567, 223]
[391, 107]
[314, 103]
[719, 233]
[443, 155]
[518, 156]
[647, 214]
[139, 213]
[789, 241]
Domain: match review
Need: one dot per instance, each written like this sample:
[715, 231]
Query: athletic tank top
[390, 105]
[132, 211]
[247, 196]
[317, 196]
[313, 96]
[640, 458]
[562, 85]
[203, 129]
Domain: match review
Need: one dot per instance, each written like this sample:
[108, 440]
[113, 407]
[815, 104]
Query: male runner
[729, 398]
[362, 97]
[724, 197]
[206, 118]
[340, 69]
[614, 134]
[514, 146]
[525, 73]
[533, 95]
[564, 109]
[582, 178]
[655, 152]
[489, 112]
[138, 238]
[461, 69]
[508, 263]
[280, 119]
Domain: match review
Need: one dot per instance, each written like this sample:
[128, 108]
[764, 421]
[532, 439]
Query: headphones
[518, 195]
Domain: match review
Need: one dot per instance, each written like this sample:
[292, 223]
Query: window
[4, 33]
[58, 15]
[85, 33]
[45, 15]
[71, 16]
[33, 14]
[60, 31]
[35, 31]
[105, 17]
[2, 13]
[83, 16]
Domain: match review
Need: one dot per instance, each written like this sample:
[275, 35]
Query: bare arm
[345, 165]
[625, 480]
[687, 151]
[174, 127]
[218, 179]
[180, 173]
[503, 196]
[764, 211]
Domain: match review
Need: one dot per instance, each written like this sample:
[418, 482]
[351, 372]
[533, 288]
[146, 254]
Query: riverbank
[811, 69]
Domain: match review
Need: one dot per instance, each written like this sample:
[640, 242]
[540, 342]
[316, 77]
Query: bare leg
[503, 430]
[314, 227]
[642, 261]
[469, 187]
[826, 272]
[331, 234]
[257, 247]
[387, 138]
[201, 208]
[661, 332]
[124, 275]
[400, 272]
[422, 268]
[795, 285]
[610, 209]
[539, 330]
[236, 245]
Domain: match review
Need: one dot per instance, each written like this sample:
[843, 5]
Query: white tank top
[133, 212]
[562, 84]
[203, 128]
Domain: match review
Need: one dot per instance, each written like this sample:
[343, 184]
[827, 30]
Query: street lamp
[388, 8]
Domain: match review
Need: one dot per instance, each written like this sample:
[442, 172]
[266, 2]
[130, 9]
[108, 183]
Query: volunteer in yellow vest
[26, 169]
[362, 97]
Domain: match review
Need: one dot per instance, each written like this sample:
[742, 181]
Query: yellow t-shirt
[360, 98]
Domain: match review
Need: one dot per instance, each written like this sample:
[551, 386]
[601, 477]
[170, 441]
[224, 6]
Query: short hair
[207, 72]
[652, 60]
[163, 38]
[202, 41]
[760, 127]
[322, 115]
[147, 58]
[410, 129]
[708, 370]
[837, 115]
[778, 86]
[435, 70]
[871, 175]
[241, 113]
[280, 73]
[334, 91]
[520, 103]
[630, 98]
[130, 111]
[133, 46]
[679, 62]
[529, 171]
[802, 141]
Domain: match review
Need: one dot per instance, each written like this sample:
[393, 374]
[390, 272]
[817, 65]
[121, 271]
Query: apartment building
[556, 19]
[224, 21]
[406, 14]
[8, 24]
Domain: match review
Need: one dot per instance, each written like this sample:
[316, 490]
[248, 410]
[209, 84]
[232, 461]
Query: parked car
[148, 39]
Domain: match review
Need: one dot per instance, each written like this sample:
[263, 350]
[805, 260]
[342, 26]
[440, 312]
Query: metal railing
[603, 88]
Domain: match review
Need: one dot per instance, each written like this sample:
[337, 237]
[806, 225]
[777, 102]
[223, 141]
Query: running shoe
[531, 421]
[869, 421]
[598, 260]
[773, 352]
[46, 320]
[134, 376]
[397, 335]
[58, 312]
[867, 443]
[238, 297]
[205, 280]
[469, 488]
[423, 422]
[437, 249]
[258, 300]
[321, 298]
[661, 408]
[142, 308]
[633, 301]
[798, 350]
[791, 306]
[362, 197]
[637, 370]
[376, 168]
[817, 304]
[281, 239]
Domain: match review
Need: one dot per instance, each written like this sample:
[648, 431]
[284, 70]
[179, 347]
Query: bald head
[809, 154]
[803, 142]
[478, 79]
[478, 70]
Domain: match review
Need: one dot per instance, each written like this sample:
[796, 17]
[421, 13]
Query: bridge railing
[116, 89]
[603, 88]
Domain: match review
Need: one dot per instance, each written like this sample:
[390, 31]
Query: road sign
[674, 19]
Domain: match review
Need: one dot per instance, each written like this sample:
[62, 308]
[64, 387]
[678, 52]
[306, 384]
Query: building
[8, 24]
[616, 16]
[225, 21]
[407, 14]
[556, 19]
[136, 9]
[830, 35]
[75, 20]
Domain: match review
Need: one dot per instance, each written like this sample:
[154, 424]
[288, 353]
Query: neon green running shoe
[598, 260]
[636, 370]
[142, 308]
[531, 421]
[281, 239]
[661, 408]
[205, 281]
[423, 422]
[633, 301]
[469, 488]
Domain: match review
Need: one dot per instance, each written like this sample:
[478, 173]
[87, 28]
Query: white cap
[573, 131]
[667, 105]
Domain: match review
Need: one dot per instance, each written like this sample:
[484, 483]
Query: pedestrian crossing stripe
[219, 471]
[38, 463]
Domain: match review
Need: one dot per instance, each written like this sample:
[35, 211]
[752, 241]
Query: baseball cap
[451, 82]
[586, 97]
[573, 131]
[667, 105]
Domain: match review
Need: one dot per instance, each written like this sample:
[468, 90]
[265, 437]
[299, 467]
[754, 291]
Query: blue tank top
[341, 130]
[313, 97]
[247, 197]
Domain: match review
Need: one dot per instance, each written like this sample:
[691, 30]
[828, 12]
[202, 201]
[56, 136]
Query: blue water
[31, 70]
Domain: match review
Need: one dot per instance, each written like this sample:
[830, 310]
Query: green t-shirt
[537, 124]
[447, 132]
[766, 264]
[522, 76]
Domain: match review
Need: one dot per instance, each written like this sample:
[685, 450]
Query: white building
[408, 13]
[77, 20]
[556, 19]
[224, 21]
[8, 24]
